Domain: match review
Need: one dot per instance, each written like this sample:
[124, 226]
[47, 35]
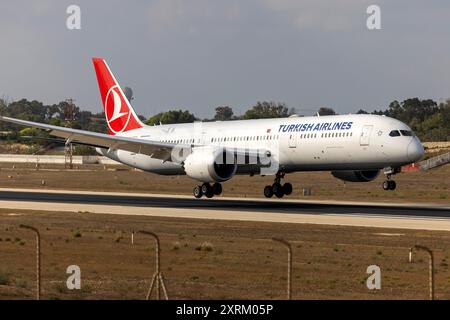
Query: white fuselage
[341, 142]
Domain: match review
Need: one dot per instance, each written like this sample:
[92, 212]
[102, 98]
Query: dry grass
[430, 186]
[236, 260]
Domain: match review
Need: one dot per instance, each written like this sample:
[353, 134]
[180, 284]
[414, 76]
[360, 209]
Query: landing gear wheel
[279, 195]
[389, 185]
[278, 190]
[207, 190]
[198, 192]
[287, 188]
[268, 191]
[392, 185]
[217, 188]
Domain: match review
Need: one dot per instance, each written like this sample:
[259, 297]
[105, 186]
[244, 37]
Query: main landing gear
[277, 188]
[208, 190]
[390, 184]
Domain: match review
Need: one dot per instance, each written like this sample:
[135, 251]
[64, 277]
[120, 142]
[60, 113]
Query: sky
[200, 54]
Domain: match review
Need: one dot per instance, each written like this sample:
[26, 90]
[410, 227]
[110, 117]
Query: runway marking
[391, 216]
[272, 217]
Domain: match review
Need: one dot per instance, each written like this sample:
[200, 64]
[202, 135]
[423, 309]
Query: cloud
[198, 54]
[307, 15]
[166, 15]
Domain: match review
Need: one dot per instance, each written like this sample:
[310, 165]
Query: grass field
[213, 259]
[429, 186]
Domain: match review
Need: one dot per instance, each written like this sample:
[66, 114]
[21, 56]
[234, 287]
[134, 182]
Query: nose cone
[415, 150]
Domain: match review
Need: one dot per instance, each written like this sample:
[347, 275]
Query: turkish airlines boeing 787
[353, 147]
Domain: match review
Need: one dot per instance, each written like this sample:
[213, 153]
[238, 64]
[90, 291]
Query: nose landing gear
[277, 188]
[390, 184]
[207, 190]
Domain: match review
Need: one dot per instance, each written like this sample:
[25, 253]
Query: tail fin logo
[116, 110]
[119, 114]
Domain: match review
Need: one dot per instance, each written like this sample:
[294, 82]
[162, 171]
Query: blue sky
[199, 54]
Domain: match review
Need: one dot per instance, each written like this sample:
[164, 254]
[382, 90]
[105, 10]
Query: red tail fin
[119, 114]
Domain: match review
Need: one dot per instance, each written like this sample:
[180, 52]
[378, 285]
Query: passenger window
[394, 133]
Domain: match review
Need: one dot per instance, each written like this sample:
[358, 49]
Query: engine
[356, 176]
[210, 165]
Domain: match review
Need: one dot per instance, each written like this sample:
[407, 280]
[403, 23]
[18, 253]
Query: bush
[119, 237]
[5, 279]
[206, 246]
[176, 246]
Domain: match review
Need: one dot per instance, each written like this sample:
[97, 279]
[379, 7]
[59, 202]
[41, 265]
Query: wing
[154, 149]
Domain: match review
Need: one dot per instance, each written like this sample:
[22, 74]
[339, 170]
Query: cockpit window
[406, 133]
[394, 133]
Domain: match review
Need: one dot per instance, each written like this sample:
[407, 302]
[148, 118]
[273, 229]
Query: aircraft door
[293, 140]
[365, 135]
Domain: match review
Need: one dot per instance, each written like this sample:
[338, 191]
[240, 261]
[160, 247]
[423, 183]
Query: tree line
[429, 119]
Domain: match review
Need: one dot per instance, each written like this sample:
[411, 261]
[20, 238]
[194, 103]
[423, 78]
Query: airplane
[353, 147]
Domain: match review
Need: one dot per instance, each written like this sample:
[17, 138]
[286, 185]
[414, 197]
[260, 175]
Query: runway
[414, 216]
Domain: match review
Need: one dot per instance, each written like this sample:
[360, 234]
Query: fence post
[289, 268]
[157, 278]
[431, 265]
[38, 259]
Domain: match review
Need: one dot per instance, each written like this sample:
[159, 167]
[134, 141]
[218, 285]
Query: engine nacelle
[356, 176]
[208, 164]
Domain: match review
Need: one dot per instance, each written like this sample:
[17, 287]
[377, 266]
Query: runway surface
[410, 216]
[230, 204]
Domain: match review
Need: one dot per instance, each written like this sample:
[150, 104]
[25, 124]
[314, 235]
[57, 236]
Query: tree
[324, 111]
[223, 113]
[267, 109]
[361, 111]
[412, 110]
[34, 136]
[55, 121]
[172, 116]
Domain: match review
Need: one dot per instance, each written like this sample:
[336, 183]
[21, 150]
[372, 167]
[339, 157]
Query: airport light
[431, 265]
[38, 259]
[289, 268]
[157, 278]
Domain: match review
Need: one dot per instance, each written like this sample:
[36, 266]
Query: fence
[157, 281]
[435, 161]
[54, 159]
